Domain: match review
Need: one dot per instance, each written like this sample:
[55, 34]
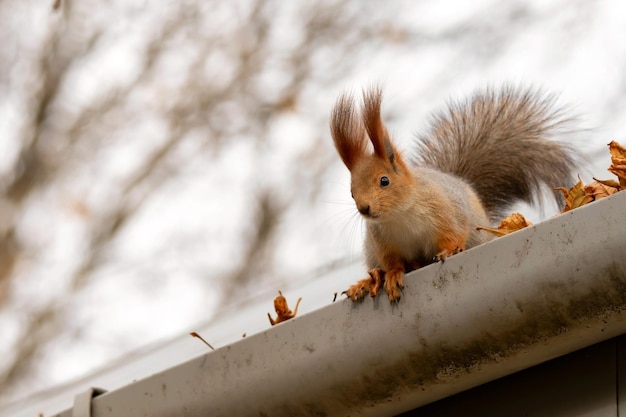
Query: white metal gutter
[496, 309]
[243, 315]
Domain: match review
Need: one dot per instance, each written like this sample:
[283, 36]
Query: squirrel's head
[381, 180]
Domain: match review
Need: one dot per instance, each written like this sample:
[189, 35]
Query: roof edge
[498, 308]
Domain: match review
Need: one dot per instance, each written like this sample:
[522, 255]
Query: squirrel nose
[364, 210]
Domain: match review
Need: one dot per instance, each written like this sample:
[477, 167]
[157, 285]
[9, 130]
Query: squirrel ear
[347, 131]
[390, 152]
[376, 130]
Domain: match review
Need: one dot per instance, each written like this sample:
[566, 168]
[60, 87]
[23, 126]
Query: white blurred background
[162, 160]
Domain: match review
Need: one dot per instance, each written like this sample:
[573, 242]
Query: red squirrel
[478, 158]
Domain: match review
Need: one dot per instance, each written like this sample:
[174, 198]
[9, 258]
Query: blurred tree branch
[59, 138]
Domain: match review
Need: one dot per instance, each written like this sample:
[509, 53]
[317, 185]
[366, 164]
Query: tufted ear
[376, 130]
[347, 131]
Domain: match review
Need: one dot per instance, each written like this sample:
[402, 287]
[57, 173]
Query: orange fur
[386, 203]
[348, 132]
[394, 266]
[374, 126]
[420, 213]
[450, 242]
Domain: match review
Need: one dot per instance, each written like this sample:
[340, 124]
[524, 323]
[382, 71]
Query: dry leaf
[618, 163]
[576, 196]
[509, 224]
[608, 183]
[618, 153]
[621, 174]
[601, 188]
[282, 310]
[618, 167]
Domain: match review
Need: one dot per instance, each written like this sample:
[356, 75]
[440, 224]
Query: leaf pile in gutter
[578, 195]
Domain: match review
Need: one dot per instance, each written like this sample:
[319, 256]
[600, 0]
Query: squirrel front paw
[392, 281]
[441, 256]
[369, 285]
[377, 276]
[394, 284]
[357, 292]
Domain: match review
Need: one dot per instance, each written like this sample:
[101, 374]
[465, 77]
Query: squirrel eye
[384, 181]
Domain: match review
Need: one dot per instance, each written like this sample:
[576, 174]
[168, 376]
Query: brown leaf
[608, 183]
[601, 188]
[618, 163]
[282, 310]
[575, 196]
[509, 224]
[620, 171]
[618, 153]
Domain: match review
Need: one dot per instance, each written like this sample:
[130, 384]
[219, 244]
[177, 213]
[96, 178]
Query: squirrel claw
[394, 294]
[377, 276]
[392, 282]
[441, 256]
[393, 285]
[358, 291]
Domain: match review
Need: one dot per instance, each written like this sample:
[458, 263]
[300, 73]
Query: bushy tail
[500, 142]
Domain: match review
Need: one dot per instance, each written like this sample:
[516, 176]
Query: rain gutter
[507, 305]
